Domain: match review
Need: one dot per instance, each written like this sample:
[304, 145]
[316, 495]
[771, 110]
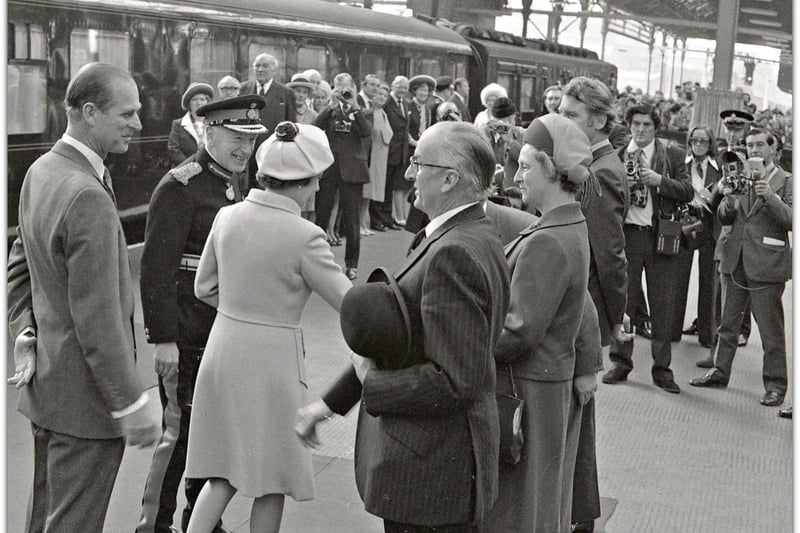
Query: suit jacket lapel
[560, 216]
[471, 213]
[70, 152]
[603, 150]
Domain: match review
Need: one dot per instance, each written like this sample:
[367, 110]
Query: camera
[348, 94]
[501, 128]
[638, 189]
[342, 126]
[734, 173]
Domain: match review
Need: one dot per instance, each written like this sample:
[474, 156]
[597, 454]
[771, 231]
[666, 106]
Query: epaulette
[186, 172]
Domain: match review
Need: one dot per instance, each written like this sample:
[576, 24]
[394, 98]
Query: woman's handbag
[509, 407]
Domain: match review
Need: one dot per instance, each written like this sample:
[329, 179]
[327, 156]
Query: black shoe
[616, 375]
[712, 379]
[668, 385]
[393, 226]
[692, 329]
[708, 362]
[645, 329]
[583, 527]
[742, 340]
[785, 413]
[377, 226]
[772, 399]
[351, 273]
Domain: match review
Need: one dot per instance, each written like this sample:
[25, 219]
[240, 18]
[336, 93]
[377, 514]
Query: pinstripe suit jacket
[427, 439]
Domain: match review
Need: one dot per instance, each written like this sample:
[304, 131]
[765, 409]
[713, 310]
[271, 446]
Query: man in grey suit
[428, 437]
[70, 310]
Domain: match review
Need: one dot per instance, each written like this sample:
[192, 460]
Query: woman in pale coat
[260, 264]
[379, 156]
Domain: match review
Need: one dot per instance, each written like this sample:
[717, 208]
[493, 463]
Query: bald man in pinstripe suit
[427, 444]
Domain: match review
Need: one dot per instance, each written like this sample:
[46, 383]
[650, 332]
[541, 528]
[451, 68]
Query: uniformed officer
[182, 209]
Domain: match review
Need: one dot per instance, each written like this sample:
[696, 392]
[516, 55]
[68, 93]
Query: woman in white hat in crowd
[303, 89]
[186, 135]
[260, 264]
[489, 94]
[549, 264]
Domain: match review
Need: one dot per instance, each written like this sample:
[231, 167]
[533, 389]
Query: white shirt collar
[264, 88]
[94, 159]
[437, 222]
[646, 150]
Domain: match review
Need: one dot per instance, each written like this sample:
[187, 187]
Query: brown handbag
[509, 409]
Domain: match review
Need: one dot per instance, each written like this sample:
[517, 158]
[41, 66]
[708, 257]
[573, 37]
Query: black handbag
[669, 237]
[693, 231]
[509, 408]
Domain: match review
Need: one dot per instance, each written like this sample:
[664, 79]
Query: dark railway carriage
[526, 67]
[168, 44]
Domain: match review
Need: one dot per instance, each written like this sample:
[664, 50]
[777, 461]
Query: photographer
[506, 140]
[756, 263]
[345, 125]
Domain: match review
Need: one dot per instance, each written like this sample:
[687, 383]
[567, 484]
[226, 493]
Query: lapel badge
[229, 193]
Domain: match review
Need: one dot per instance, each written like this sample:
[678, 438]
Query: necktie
[418, 238]
[263, 91]
[108, 186]
[700, 172]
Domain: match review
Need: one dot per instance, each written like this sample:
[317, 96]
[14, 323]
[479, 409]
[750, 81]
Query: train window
[315, 57]
[210, 59]
[373, 64]
[507, 81]
[28, 41]
[26, 103]
[527, 97]
[86, 46]
[431, 67]
[404, 66]
[459, 69]
[275, 50]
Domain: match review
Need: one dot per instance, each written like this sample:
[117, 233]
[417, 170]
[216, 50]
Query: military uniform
[182, 210]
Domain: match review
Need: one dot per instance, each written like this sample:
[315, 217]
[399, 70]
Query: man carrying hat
[427, 441]
[182, 209]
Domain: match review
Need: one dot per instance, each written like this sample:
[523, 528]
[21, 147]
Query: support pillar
[683, 56]
[526, 15]
[650, 46]
[672, 71]
[727, 22]
[663, 70]
[584, 20]
[604, 30]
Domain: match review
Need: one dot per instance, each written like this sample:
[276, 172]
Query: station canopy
[761, 22]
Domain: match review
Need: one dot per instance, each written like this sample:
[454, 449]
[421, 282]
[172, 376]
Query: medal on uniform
[229, 192]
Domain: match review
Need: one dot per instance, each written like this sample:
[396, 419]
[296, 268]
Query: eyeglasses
[416, 164]
[701, 142]
[229, 88]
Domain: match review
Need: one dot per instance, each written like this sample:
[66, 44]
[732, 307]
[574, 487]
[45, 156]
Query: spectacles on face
[229, 88]
[699, 142]
[416, 164]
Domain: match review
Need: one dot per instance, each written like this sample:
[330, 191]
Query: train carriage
[168, 44]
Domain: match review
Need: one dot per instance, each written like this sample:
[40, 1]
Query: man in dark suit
[280, 104]
[461, 98]
[179, 218]
[346, 126]
[427, 439]
[396, 109]
[662, 185]
[589, 104]
[441, 94]
[70, 311]
[756, 263]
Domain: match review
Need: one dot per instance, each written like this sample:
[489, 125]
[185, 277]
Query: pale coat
[379, 155]
[259, 267]
[75, 277]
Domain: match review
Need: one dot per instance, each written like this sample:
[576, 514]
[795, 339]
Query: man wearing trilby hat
[182, 209]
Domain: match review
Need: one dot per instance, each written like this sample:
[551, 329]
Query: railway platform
[703, 461]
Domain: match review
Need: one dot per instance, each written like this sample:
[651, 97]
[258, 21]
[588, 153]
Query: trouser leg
[734, 301]
[683, 274]
[705, 294]
[660, 271]
[349, 204]
[767, 308]
[585, 489]
[326, 195]
[77, 477]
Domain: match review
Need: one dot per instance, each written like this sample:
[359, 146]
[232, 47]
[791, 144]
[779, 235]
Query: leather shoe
[616, 375]
[668, 385]
[712, 379]
[583, 527]
[692, 329]
[377, 226]
[771, 399]
[742, 340]
[785, 413]
[351, 273]
[393, 226]
[708, 362]
[645, 329]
